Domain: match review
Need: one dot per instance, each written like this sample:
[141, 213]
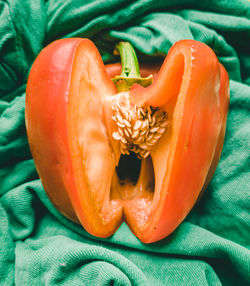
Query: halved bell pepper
[79, 124]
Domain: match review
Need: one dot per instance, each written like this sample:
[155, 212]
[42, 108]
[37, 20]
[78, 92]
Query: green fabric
[38, 246]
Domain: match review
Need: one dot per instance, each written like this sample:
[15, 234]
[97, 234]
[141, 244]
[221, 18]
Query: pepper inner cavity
[128, 169]
[134, 180]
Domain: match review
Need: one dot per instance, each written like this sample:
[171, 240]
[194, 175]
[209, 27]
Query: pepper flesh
[75, 155]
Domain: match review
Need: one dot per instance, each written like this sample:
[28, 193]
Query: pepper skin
[69, 126]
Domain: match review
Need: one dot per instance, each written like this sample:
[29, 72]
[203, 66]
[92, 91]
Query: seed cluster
[139, 128]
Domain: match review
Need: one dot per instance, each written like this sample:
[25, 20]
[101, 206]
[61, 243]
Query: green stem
[130, 65]
[130, 73]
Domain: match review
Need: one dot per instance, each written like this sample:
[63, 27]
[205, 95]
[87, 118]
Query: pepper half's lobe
[142, 153]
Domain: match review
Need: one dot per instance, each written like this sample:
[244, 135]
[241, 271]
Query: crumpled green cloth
[38, 246]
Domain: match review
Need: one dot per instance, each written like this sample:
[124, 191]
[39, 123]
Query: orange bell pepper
[79, 123]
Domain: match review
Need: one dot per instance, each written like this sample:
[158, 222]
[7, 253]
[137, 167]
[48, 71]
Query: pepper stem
[130, 73]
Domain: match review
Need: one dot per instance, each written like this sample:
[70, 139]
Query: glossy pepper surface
[76, 145]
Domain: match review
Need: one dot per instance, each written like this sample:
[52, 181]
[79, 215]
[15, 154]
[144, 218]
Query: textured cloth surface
[38, 246]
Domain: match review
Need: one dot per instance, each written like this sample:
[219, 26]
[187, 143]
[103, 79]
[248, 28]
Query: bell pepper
[127, 148]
